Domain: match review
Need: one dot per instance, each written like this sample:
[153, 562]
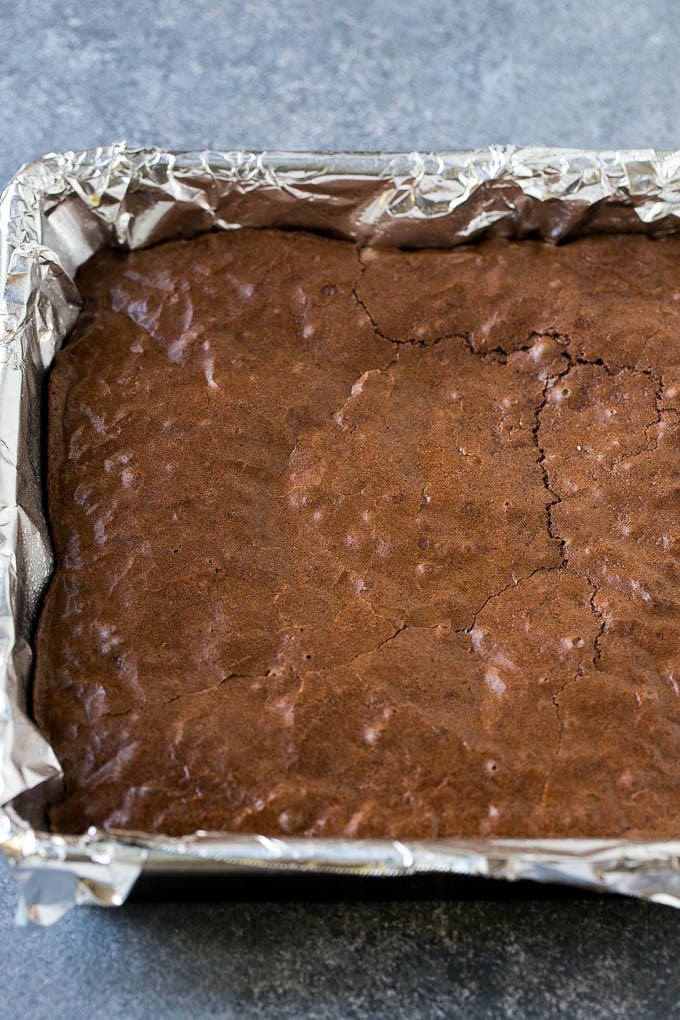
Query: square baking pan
[58, 212]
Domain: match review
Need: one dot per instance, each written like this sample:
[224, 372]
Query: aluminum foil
[59, 211]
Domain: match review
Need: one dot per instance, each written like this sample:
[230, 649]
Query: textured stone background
[354, 75]
[596, 959]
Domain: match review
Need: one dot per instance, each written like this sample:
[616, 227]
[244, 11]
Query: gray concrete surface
[381, 75]
[353, 73]
[578, 960]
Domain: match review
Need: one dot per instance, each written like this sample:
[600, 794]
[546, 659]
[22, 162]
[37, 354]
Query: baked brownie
[368, 543]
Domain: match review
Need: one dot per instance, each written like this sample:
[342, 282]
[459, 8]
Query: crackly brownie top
[368, 543]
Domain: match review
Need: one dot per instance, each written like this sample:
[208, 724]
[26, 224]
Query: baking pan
[59, 211]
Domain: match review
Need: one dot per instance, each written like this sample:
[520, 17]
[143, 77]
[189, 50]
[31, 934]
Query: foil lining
[53, 216]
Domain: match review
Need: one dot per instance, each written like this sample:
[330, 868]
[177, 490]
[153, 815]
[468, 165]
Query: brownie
[368, 543]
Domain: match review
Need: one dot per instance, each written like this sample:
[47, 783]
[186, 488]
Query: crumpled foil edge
[59, 211]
